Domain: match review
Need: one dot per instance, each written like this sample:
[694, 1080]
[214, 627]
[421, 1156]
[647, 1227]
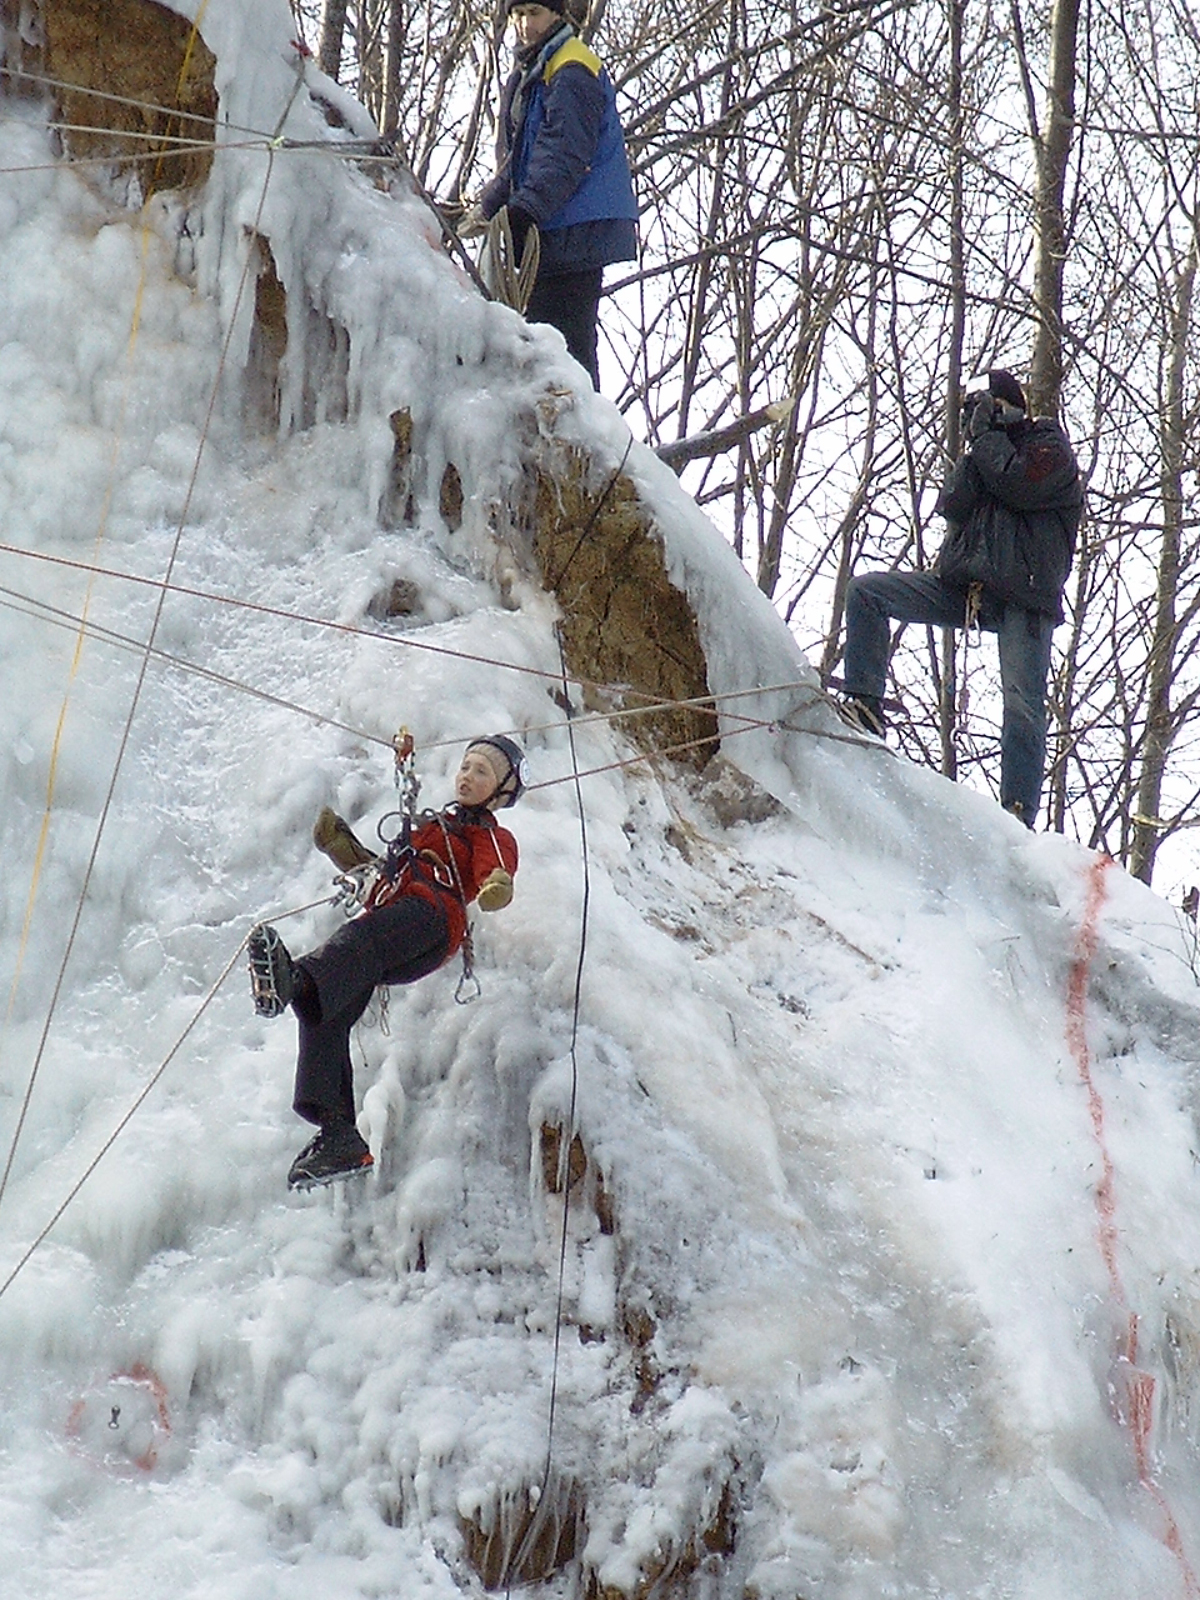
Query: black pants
[570, 302]
[396, 944]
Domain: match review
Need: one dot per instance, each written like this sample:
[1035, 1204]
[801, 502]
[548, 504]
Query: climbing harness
[366, 884]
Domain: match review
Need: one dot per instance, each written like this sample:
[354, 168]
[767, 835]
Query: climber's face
[533, 23]
[475, 781]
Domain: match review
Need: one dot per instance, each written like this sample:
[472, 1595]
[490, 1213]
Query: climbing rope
[144, 1092]
[405, 754]
[106, 505]
[536, 1522]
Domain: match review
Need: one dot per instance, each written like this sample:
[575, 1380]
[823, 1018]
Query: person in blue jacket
[563, 167]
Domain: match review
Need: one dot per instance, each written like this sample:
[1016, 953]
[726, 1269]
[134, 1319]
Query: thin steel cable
[813, 694]
[63, 619]
[131, 159]
[713, 704]
[275, 611]
[169, 141]
[359, 632]
[125, 100]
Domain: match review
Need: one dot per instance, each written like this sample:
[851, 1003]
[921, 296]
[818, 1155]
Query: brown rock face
[624, 622]
[135, 84]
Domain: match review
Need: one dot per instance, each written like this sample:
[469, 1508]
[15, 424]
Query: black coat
[1013, 503]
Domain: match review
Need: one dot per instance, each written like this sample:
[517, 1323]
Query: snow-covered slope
[880, 1269]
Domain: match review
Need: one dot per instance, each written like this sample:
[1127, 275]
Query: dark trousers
[879, 597]
[396, 944]
[570, 302]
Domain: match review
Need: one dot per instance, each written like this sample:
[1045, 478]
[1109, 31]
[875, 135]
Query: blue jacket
[562, 157]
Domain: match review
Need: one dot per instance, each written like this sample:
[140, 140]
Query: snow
[837, 1263]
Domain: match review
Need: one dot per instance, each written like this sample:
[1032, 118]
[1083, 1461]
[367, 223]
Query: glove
[473, 225]
[334, 837]
[496, 890]
[983, 414]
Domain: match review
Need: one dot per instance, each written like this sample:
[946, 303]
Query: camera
[977, 397]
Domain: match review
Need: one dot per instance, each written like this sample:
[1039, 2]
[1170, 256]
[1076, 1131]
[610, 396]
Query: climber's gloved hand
[979, 414]
[471, 226]
[496, 890]
[519, 223]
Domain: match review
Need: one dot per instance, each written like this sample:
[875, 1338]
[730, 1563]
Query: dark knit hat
[559, 6]
[1005, 387]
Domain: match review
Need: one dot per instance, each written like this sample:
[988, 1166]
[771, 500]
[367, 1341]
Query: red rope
[1133, 1387]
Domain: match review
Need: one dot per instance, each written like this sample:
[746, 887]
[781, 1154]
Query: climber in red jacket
[414, 919]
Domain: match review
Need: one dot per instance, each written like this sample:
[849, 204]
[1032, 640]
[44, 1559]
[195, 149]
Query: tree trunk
[1053, 152]
[948, 693]
[333, 32]
[1160, 724]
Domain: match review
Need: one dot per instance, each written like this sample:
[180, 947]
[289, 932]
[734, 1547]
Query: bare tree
[845, 210]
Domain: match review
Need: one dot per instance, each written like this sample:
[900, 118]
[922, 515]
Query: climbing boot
[338, 1151]
[273, 974]
[864, 713]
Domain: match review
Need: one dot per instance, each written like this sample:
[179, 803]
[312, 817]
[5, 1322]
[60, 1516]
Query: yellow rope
[193, 35]
[52, 774]
[81, 635]
[39, 854]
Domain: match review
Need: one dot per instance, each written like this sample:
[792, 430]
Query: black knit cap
[559, 6]
[1005, 387]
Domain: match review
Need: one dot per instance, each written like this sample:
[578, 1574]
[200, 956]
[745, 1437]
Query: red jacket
[455, 851]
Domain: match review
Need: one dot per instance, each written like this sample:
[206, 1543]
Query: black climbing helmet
[512, 786]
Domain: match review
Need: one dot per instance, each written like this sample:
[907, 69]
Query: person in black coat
[562, 166]
[1012, 503]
